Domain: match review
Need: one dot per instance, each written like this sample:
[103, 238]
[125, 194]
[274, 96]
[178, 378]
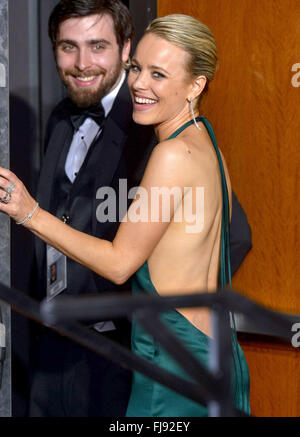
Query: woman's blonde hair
[192, 36]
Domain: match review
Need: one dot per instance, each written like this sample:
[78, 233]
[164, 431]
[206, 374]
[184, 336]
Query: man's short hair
[119, 13]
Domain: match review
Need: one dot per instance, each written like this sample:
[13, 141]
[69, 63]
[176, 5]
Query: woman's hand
[14, 198]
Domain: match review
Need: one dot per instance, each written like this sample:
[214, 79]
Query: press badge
[56, 272]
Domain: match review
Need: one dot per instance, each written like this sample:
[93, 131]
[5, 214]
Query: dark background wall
[5, 384]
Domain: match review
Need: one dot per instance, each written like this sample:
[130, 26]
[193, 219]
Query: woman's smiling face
[159, 82]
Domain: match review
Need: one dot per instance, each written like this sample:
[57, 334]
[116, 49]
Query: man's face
[88, 58]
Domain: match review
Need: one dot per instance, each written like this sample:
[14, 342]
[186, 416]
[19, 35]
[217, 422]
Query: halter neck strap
[178, 131]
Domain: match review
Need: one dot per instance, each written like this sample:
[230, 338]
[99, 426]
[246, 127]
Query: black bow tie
[78, 115]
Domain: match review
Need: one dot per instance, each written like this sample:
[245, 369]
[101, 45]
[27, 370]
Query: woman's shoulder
[192, 149]
[175, 149]
[170, 161]
[188, 153]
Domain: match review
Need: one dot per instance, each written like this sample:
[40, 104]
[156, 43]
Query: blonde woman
[173, 248]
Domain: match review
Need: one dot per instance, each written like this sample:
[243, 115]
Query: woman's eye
[158, 75]
[134, 68]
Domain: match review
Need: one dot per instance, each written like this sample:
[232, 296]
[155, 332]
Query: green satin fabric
[151, 399]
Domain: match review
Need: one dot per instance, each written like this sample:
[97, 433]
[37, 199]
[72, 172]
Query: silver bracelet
[28, 217]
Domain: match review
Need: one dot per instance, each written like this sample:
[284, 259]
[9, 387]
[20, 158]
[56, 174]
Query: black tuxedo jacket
[123, 149]
[121, 152]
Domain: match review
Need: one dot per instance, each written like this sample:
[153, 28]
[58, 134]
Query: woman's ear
[198, 87]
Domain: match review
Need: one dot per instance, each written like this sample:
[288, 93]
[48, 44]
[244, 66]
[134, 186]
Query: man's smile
[85, 81]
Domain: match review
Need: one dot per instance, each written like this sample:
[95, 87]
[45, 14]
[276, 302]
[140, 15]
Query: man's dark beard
[84, 98]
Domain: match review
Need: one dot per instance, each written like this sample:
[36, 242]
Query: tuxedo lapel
[62, 132]
[113, 141]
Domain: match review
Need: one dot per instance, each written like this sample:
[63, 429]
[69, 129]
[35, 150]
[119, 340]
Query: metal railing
[207, 386]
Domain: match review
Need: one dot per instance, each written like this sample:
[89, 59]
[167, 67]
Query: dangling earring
[193, 114]
[126, 65]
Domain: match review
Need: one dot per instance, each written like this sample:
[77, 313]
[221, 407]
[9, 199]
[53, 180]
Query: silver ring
[6, 199]
[11, 188]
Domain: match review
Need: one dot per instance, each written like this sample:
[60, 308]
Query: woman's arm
[134, 241]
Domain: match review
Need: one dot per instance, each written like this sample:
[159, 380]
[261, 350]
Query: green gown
[148, 397]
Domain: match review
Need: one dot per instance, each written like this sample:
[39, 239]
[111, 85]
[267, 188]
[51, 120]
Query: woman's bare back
[186, 259]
